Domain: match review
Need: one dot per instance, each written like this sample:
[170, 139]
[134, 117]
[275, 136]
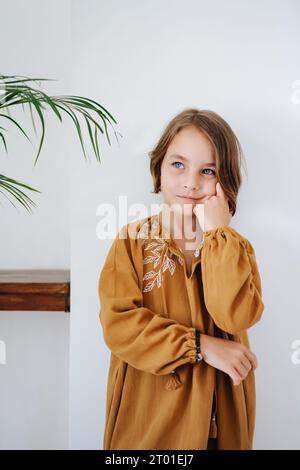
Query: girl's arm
[228, 356]
[231, 281]
[137, 335]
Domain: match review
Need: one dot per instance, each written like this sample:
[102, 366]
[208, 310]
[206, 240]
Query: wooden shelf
[39, 290]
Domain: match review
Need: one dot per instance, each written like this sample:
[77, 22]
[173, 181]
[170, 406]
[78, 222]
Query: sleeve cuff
[191, 345]
[219, 230]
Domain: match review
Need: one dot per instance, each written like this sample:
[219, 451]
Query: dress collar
[161, 231]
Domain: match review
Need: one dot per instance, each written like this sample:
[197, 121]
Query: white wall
[146, 61]
[34, 382]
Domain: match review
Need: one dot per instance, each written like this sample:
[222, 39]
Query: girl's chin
[181, 207]
[184, 209]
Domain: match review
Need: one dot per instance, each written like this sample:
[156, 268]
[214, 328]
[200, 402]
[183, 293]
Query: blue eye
[209, 169]
[174, 163]
[205, 169]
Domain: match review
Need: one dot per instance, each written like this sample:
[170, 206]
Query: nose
[191, 185]
[194, 188]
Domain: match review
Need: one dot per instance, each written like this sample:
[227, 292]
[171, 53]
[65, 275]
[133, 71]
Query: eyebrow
[184, 159]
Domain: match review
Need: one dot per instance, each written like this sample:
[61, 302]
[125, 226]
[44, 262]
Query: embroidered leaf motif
[149, 286]
[158, 279]
[156, 261]
[157, 248]
[151, 245]
[150, 275]
[148, 259]
[168, 263]
[171, 266]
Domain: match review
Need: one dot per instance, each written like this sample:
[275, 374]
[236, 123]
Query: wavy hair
[227, 149]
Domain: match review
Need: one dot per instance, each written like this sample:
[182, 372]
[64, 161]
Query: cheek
[210, 187]
[167, 179]
[163, 179]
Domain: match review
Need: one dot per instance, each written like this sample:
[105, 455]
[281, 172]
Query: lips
[189, 199]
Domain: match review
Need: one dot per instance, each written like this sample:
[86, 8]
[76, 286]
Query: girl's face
[188, 169]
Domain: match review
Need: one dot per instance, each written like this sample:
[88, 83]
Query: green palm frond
[10, 186]
[18, 90]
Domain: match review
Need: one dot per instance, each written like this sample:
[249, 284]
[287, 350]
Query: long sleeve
[231, 281]
[142, 338]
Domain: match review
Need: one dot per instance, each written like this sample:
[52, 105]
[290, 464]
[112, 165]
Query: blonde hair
[227, 149]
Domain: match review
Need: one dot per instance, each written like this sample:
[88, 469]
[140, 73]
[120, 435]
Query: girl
[176, 302]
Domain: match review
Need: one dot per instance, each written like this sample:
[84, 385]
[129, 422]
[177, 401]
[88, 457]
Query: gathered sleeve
[137, 335]
[231, 281]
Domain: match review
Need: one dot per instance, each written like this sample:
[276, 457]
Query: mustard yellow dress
[158, 396]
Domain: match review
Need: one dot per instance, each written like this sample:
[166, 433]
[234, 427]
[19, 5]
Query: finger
[221, 194]
[247, 364]
[200, 213]
[235, 377]
[219, 191]
[252, 358]
[241, 370]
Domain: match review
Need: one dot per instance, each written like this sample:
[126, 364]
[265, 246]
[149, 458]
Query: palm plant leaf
[11, 187]
[19, 90]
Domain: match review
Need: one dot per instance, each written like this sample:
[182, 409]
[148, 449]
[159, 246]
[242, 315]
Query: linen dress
[158, 396]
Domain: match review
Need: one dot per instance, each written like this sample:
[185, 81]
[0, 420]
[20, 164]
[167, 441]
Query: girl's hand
[214, 212]
[228, 356]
